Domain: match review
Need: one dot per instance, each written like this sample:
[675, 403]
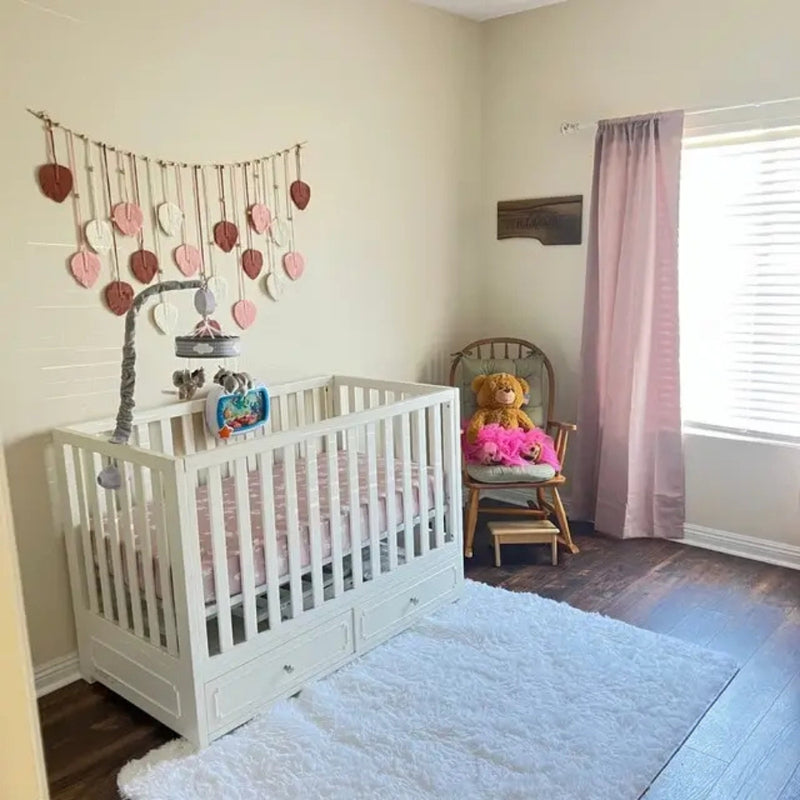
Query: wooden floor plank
[690, 775]
[90, 733]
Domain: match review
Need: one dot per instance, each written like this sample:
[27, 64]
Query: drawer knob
[414, 601]
[288, 668]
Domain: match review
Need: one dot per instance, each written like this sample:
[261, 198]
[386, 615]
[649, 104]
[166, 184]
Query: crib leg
[471, 521]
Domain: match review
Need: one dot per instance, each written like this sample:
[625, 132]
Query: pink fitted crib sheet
[281, 522]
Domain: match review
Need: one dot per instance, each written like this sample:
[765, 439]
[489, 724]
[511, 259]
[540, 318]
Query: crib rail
[292, 521]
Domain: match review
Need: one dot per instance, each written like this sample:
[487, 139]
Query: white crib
[223, 576]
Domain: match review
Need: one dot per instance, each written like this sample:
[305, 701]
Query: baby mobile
[131, 212]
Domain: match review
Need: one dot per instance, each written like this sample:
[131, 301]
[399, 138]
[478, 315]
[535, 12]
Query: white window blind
[740, 283]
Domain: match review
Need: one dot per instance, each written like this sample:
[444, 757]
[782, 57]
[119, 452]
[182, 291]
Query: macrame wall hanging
[217, 221]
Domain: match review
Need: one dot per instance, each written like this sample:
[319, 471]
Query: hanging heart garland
[118, 293]
[252, 260]
[299, 190]
[244, 311]
[83, 265]
[216, 283]
[143, 263]
[55, 180]
[226, 234]
[294, 263]
[127, 216]
[97, 231]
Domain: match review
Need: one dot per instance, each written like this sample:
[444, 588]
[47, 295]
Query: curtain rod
[575, 127]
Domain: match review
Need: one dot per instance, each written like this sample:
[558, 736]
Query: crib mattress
[281, 522]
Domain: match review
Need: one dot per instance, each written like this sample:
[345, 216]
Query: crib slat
[351, 399]
[283, 403]
[391, 491]
[117, 578]
[422, 461]
[246, 548]
[130, 550]
[220, 555]
[164, 560]
[92, 467]
[187, 428]
[269, 529]
[314, 526]
[354, 512]
[293, 530]
[141, 523]
[408, 499]
[335, 514]
[300, 398]
[452, 456]
[167, 445]
[372, 503]
[438, 477]
[78, 457]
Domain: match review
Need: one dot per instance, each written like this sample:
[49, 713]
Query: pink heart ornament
[260, 217]
[244, 313]
[188, 259]
[99, 235]
[128, 218]
[294, 264]
[85, 268]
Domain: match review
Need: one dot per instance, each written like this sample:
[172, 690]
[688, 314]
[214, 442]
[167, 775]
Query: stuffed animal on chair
[500, 397]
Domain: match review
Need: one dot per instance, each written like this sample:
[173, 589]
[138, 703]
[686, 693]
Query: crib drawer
[388, 616]
[281, 672]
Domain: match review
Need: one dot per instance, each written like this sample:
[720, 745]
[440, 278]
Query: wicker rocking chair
[525, 360]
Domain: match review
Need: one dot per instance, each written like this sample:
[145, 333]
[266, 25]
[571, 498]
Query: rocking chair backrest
[516, 356]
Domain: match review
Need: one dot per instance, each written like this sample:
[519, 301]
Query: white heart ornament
[218, 287]
[279, 231]
[98, 235]
[170, 218]
[244, 313]
[165, 316]
[273, 286]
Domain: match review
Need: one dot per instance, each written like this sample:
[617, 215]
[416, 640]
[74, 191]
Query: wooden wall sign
[551, 220]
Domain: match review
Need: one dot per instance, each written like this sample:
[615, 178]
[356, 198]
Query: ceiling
[486, 9]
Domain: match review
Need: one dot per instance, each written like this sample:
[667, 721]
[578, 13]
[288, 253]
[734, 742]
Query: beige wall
[588, 59]
[387, 94]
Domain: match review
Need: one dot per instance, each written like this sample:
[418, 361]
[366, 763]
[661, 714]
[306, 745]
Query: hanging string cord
[108, 199]
[76, 198]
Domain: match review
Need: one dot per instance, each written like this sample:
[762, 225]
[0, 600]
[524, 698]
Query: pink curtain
[629, 477]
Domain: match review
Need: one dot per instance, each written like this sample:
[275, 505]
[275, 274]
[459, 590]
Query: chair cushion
[531, 368]
[533, 473]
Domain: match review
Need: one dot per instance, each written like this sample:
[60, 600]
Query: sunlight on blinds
[740, 283]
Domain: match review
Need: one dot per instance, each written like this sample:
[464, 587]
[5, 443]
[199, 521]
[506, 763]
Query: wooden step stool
[532, 532]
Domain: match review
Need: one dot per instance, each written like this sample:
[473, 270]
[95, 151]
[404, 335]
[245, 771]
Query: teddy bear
[500, 397]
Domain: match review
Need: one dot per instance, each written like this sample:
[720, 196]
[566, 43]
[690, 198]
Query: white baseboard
[56, 673]
[736, 544]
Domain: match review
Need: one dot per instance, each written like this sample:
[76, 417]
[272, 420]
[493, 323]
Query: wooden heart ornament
[99, 235]
[226, 234]
[294, 264]
[301, 194]
[119, 297]
[188, 259]
[170, 218]
[55, 181]
[144, 265]
[252, 262]
[260, 217]
[244, 313]
[85, 268]
[128, 218]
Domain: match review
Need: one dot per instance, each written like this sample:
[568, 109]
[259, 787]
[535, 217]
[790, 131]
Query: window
[740, 283]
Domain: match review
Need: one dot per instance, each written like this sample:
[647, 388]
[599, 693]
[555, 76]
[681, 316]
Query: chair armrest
[566, 426]
[561, 432]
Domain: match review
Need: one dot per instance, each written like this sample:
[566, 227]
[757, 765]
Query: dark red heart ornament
[144, 265]
[301, 194]
[55, 181]
[252, 262]
[119, 297]
[226, 234]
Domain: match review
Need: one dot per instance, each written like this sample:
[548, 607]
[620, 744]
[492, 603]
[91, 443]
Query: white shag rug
[501, 695]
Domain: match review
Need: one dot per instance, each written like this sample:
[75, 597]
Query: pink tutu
[512, 447]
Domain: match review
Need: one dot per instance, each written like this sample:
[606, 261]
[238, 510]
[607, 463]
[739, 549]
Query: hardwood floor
[747, 747]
